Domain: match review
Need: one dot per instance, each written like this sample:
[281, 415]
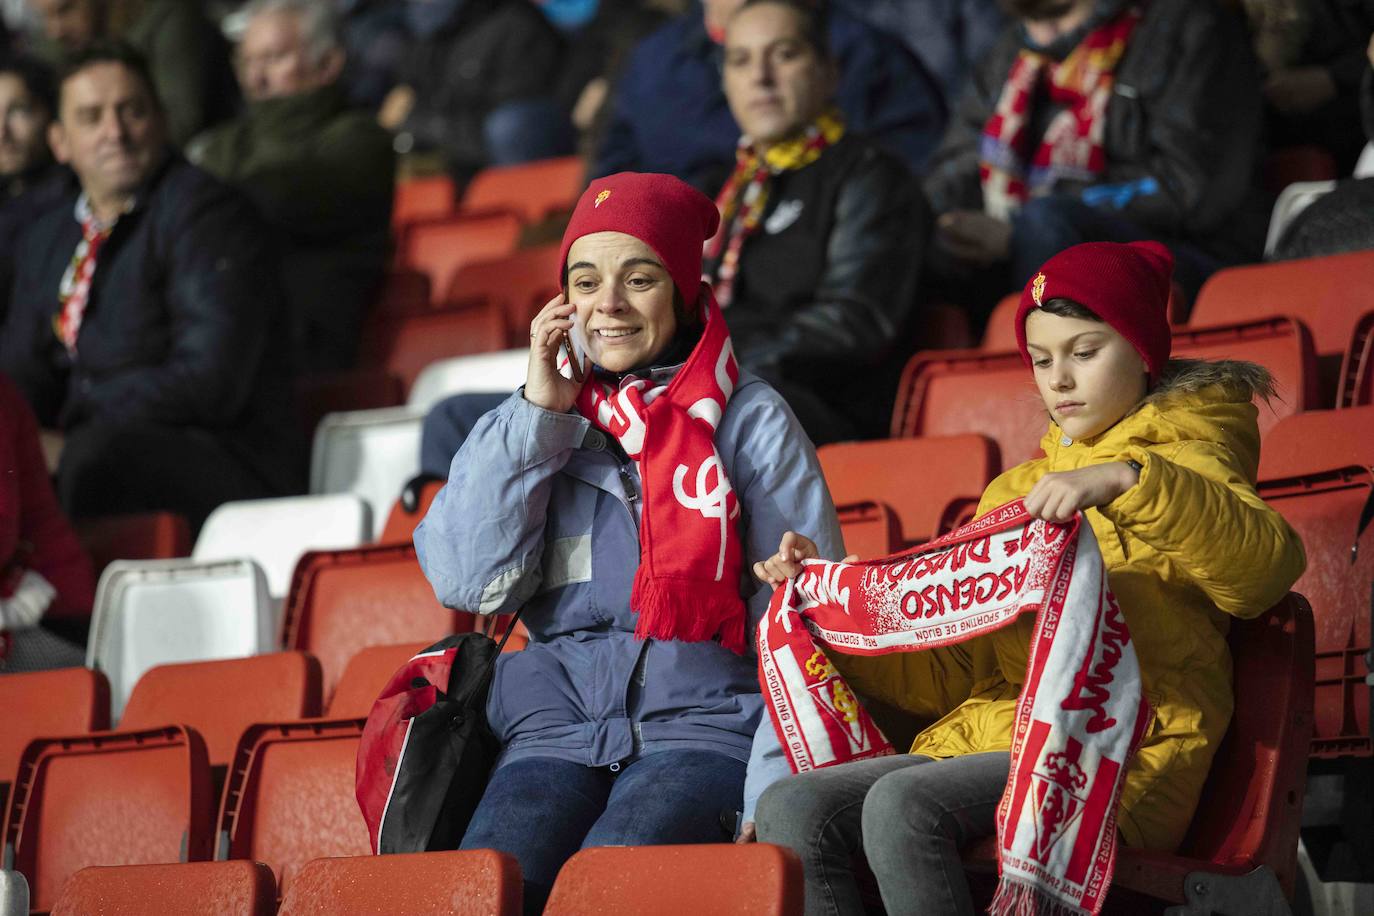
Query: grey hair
[318, 18]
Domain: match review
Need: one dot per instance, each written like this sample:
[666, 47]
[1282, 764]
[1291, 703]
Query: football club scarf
[688, 583]
[1079, 719]
[1072, 146]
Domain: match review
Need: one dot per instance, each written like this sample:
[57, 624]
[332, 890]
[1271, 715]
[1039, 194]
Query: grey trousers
[907, 815]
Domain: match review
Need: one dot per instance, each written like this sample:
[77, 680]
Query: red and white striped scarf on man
[1072, 146]
[688, 583]
[1079, 719]
[74, 291]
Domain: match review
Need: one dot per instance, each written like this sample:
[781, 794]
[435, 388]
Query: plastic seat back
[371, 453]
[140, 536]
[950, 470]
[520, 283]
[67, 701]
[275, 532]
[115, 798]
[418, 199]
[290, 797]
[502, 371]
[480, 881]
[186, 889]
[222, 698]
[343, 601]
[755, 880]
[869, 529]
[439, 247]
[1356, 385]
[1281, 345]
[403, 292]
[365, 675]
[155, 612]
[405, 346]
[533, 191]
[402, 522]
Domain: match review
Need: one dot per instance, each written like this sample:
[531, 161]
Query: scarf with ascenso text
[688, 583]
[1079, 719]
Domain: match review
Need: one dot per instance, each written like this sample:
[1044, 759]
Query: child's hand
[1056, 497]
[787, 562]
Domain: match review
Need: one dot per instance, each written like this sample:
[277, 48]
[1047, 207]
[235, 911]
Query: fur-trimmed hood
[1237, 377]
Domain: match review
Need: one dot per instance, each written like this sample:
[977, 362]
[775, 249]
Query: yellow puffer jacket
[1187, 546]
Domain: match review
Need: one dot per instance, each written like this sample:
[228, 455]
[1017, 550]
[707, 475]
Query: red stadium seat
[1357, 367]
[401, 523]
[944, 327]
[423, 199]
[953, 471]
[1281, 345]
[403, 346]
[1318, 441]
[1245, 830]
[290, 796]
[141, 536]
[533, 191]
[440, 247]
[186, 889]
[403, 292]
[1298, 163]
[481, 881]
[342, 601]
[724, 880]
[869, 529]
[521, 283]
[67, 701]
[334, 392]
[366, 674]
[222, 698]
[112, 798]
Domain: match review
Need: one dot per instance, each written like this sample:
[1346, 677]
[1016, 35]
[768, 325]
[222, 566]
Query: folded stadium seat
[1000, 331]
[111, 798]
[402, 522]
[1244, 834]
[14, 891]
[418, 199]
[290, 798]
[140, 536]
[220, 699]
[275, 532]
[404, 291]
[368, 452]
[522, 283]
[533, 191]
[153, 612]
[343, 601]
[1328, 295]
[759, 879]
[405, 345]
[66, 701]
[502, 371]
[1357, 367]
[953, 471]
[1281, 345]
[869, 529]
[185, 889]
[365, 675]
[1298, 163]
[439, 247]
[481, 881]
[320, 394]
[1292, 200]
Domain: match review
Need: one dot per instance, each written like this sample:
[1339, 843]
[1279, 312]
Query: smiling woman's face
[624, 299]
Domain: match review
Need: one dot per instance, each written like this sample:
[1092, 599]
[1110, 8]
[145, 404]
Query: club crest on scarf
[1079, 719]
[687, 584]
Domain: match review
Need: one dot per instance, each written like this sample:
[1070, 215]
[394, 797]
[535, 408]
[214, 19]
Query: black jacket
[184, 326]
[1186, 111]
[825, 285]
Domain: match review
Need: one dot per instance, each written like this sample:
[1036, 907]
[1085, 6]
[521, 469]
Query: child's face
[1089, 376]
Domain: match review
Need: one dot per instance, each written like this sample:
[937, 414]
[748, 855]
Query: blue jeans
[541, 810]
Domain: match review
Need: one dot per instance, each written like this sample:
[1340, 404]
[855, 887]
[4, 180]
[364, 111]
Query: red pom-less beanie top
[665, 213]
[1127, 286]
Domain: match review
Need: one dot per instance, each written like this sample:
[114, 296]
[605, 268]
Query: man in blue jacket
[668, 113]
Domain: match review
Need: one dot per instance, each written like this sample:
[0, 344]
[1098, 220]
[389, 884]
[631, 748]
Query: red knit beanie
[665, 213]
[1127, 286]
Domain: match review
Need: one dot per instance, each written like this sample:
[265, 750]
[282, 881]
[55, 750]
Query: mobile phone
[573, 349]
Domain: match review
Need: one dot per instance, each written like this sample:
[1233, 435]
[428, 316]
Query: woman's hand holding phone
[544, 386]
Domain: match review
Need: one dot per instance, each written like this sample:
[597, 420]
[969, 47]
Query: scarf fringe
[1016, 898]
[691, 614]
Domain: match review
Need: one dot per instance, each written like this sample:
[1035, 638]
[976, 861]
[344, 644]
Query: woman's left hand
[1058, 496]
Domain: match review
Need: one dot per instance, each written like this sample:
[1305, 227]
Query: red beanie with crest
[665, 213]
[1127, 286]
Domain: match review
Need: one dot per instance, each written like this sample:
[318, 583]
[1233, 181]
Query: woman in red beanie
[1160, 455]
[622, 513]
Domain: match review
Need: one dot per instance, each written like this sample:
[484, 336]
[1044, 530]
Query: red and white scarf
[688, 583]
[1072, 146]
[1079, 719]
[74, 291]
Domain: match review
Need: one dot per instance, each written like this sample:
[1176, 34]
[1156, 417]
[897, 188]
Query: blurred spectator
[42, 566]
[145, 316]
[820, 244]
[478, 85]
[186, 53]
[668, 113]
[949, 36]
[1313, 54]
[375, 37]
[1100, 120]
[321, 174]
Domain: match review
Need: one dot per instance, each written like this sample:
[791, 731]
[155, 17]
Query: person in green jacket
[322, 174]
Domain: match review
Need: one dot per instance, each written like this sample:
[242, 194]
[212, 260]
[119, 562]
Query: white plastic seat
[14, 894]
[275, 532]
[1292, 200]
[1364, 168]
[504, 371]
[152, 612]
[370, 453]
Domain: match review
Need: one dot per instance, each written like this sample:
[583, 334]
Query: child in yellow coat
[1160, 455]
